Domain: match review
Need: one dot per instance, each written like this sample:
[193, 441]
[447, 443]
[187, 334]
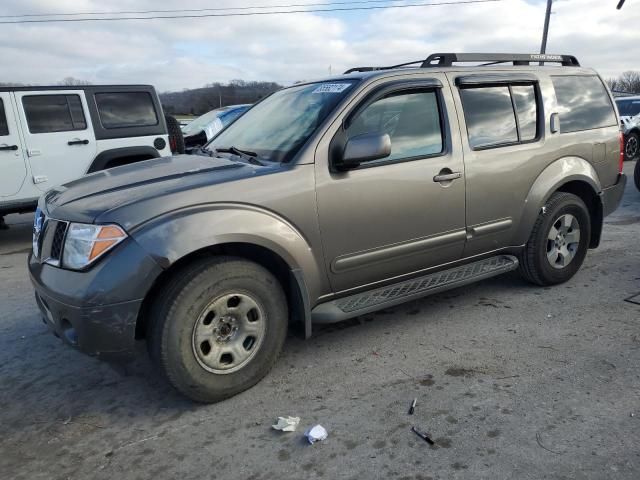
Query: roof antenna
[620, 3]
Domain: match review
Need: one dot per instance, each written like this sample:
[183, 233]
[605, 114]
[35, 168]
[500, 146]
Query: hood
[89, 197]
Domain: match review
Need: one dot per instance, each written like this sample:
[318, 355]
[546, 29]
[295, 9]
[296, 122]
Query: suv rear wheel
[636, 175]
[559, 241]
[218, 327]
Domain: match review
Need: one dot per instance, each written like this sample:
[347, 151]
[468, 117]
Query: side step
[379, 298]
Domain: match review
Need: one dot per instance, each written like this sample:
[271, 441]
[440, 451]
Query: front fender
[552, 178]
[174, 235]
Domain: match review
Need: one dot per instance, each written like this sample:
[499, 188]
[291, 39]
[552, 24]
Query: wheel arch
[571, 175]
[109, 158]
[182, 237]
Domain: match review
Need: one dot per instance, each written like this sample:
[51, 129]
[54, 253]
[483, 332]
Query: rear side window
[500, 115]
[583, 103]
[54, 113]
[4, 127]
[126, 109]
[412, 120]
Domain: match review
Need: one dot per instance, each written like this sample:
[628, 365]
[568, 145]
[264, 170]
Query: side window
[583, 103]
[411, 119]
[500, 115]
[54, 113]
[524, 98]
[126, 109]
[489, 115]
[4, 127]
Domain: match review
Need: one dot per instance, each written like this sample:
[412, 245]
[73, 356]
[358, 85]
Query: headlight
[84, 244]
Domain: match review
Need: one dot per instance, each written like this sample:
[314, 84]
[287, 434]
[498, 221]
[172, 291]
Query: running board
[372, 300]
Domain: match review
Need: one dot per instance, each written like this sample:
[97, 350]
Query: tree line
[215, 95]
[628, 82]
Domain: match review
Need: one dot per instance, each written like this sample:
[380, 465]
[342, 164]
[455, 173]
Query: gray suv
[328, 200]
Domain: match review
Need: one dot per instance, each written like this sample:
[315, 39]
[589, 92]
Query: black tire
[636, 175]
[176, 139]
[181, 304]
[632, 146]
[534, 264]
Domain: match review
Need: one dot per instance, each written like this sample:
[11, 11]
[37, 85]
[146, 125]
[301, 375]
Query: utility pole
[545, 32]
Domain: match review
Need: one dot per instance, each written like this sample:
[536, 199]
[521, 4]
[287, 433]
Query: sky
[188, 53]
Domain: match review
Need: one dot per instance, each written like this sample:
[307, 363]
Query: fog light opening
[69, 332]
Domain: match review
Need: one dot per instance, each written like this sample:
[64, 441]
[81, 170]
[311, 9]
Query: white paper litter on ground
[315, 434]
[287, 424]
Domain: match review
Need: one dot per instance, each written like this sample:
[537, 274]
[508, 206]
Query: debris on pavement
[315, 434]
[422, 435]
[412, 408]
[286, 424]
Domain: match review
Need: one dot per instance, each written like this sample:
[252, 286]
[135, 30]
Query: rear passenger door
[501, 122]
[58, 135]
[12, 167]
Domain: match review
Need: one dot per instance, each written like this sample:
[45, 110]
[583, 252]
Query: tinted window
[54, 113]
[4, 128]
[412, 120]
[126, 109]
[583, 103]
[524, 97]
[628, 108]
[489, 115]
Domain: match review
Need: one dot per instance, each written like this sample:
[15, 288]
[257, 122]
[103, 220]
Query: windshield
[628, 108]
[278, 127]
[199, 124]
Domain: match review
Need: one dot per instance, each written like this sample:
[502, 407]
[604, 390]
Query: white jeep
[52, 135]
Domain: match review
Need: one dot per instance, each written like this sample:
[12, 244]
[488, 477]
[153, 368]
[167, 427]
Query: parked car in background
[629, 110]
[52, 135]
[205, 127]
[328, 200]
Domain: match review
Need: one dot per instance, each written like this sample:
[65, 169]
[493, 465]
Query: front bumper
[96, 311]
[612, 196]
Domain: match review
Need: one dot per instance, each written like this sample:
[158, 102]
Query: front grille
[52, 241]
[58, 240]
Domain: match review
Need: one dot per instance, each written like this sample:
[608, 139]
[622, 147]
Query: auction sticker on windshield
[332, 88]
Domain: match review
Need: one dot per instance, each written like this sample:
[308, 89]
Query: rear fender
[552, 178]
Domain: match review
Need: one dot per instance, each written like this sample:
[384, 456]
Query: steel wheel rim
[563, 241]
[228, 333]
[631, 148]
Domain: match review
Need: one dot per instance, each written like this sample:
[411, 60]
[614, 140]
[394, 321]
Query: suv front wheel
[218, 327]
[559, 241]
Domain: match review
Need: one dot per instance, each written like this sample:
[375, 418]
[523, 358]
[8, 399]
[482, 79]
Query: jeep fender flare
[178, 234]
[559, 173]
[104, 158]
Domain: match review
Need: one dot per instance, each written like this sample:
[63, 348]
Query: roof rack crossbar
[448, 59]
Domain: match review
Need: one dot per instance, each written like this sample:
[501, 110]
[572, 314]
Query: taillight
[621, 162]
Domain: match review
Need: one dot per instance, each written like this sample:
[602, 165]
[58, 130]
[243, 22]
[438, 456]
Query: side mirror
[365, 148]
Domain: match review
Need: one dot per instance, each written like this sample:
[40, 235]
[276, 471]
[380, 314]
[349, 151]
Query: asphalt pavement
[512, 381]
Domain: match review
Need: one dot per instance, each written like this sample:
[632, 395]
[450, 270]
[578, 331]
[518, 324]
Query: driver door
[393, 217]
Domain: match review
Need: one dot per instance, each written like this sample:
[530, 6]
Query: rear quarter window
[4, 128]
[583, 103]
[126, 109]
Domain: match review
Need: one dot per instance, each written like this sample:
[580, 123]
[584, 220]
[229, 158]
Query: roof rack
[448, 59]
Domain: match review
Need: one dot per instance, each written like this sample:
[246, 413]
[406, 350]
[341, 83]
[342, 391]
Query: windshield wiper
[251, 157]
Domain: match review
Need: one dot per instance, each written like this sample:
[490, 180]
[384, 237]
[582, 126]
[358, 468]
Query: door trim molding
[391, 252]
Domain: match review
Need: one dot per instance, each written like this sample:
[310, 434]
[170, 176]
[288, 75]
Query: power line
[248, 14]
[188, 10]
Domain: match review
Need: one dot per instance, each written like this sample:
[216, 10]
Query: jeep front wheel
[218, 328]
[559, 241]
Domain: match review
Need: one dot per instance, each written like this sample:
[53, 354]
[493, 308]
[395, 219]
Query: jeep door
[58, 135]
[12, 167]
[400, 214]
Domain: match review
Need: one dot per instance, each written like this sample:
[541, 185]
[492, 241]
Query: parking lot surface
[512, 381]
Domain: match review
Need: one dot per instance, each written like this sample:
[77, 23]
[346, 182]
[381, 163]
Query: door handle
[78, 142]
[9, 147]
[446, 175]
